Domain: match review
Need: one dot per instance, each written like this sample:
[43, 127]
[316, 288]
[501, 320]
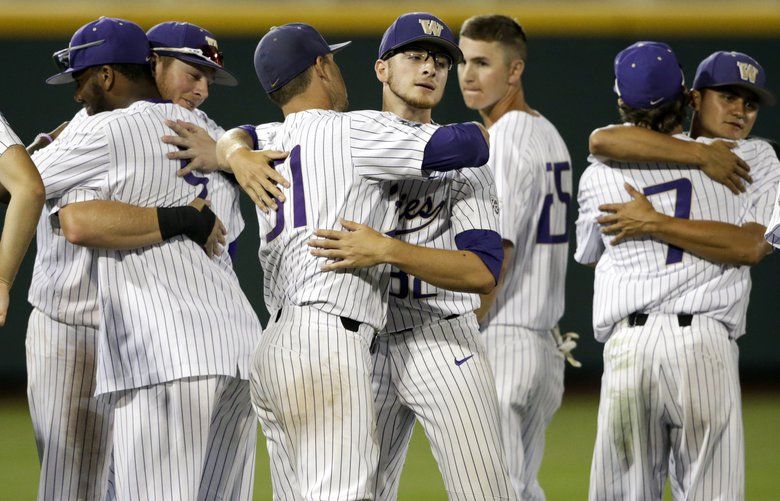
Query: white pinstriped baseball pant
[188, 439]
[670, 405]
[73, 429]
[438, 374]
[311, 390]
[528, 368]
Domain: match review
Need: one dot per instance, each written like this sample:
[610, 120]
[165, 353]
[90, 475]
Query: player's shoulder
[211, 126]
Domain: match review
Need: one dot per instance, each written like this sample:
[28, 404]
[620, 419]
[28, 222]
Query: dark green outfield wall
[569, 80]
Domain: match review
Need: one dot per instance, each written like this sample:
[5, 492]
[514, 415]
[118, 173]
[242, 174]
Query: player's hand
[56, 132]
[216, 240]
[359, 246]
[257, 177]
[629, 220]
[196, 147]
[5, 291]
[723, 166]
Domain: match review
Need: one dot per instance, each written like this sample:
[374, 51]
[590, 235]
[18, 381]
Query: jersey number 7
[682, 208]
[298, 199]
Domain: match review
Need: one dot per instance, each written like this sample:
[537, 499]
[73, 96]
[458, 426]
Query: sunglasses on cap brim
[62, 57]
[205, 52]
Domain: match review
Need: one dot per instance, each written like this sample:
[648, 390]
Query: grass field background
[564, 474]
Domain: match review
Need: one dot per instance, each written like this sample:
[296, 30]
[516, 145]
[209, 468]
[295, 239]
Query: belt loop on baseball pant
[639, 319]
[349, 324]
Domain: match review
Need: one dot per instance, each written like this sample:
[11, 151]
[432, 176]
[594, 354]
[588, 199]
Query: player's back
[336, 164]
[534, 182]
[646, 275]
[168, 310]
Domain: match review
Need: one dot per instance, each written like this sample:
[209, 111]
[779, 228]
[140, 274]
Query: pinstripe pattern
[72, 428]
[8, 137]
[432, 213]
[634, 276]
[415, 377]
[525, 152]
[669, 392]
[773, 228]
[311, 390]
[342, 158]
[169, 312]
[152, 299]
[187, 439]
[529, 379]
[522, 145]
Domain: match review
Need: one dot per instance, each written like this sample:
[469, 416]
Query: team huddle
[413, 271]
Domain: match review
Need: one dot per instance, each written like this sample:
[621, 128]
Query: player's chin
[472, 100]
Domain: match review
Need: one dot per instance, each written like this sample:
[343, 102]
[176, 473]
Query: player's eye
[443, 62]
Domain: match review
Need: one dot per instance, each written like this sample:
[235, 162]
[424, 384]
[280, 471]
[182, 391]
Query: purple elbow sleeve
[454, 147]
[487, 245]
[250, 129]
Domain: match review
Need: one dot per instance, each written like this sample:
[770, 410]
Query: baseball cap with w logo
[191, 44]
[729, 68]
[106, 40]
[419, 27]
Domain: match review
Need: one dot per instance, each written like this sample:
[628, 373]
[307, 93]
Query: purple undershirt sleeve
[487, 245]
[250, 129]
[454, 147]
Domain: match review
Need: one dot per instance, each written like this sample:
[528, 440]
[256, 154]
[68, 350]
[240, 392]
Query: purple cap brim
[452, 49]
[61, 78]
[221, 75]
[765, 98]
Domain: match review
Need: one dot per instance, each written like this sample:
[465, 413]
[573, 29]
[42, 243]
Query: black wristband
[186, 220]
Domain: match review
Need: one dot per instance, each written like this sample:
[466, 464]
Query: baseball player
[429, 363]
[174, 331]
[532, 168]
[670, 400]
[21, 189]
[311, 379]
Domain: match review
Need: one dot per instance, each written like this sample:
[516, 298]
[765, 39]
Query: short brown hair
[497, 28]
[664, 119]
[292, 88]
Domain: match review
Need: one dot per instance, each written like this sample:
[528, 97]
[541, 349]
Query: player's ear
[320, 68]
[381, 69]
[154, 60]
[516, 69]
[696, 100]
[106, 77]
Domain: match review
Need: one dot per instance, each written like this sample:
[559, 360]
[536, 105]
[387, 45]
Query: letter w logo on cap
[431, 27]
[747, 71]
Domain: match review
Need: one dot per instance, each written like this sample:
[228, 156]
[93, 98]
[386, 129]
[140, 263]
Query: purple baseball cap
[191, 44]
[107, 40]
[287, 51]
[724, 68]
[419, 27]
[648, 75]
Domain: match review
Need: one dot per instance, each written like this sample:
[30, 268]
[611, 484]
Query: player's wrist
[390, 251]
[186, 220]
[656, 224]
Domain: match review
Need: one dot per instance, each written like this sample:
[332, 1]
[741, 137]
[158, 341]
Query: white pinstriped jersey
[8, 137]
[336, 163]
[532, 168]
[431, 213]
[167, 311]
[644, 275]
[64, 281]
[773, 228]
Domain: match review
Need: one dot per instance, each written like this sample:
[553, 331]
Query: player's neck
[394, 104]
[305, 102]
[513, 100]
[138, 91]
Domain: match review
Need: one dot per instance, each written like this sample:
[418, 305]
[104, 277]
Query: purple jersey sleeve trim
[486, 244]
[250, 129]
[456, 146]
[232, 250]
